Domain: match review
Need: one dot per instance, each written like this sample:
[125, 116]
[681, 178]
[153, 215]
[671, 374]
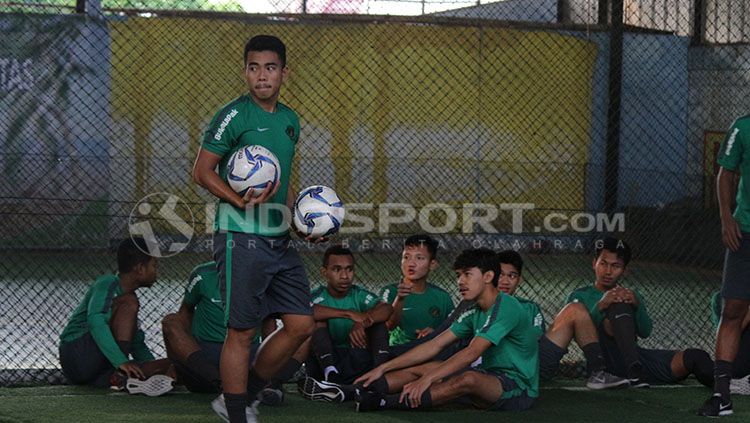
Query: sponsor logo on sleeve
[228, 118]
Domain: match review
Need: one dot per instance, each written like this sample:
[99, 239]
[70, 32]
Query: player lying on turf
[102, 333]
[740, 383]
[194, 338]
[418, 306]
[621, 317]
[350, 337]
[572, 322]
[500, 333]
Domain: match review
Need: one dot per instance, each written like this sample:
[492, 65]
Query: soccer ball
[318, 211]
[254, 167]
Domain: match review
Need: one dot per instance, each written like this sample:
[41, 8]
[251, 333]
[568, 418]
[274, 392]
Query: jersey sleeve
[462, 327]
[388, 294]
[96, 317]
[503, 319]
[447, 305]
[192, 291]
[643, 323]
[732, 148]
[220, 136]
[366, 300]
[537, 320]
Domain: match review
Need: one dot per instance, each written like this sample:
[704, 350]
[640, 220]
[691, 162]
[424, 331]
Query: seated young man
[194, 338]
[350, 337]
[621, 317]
[500, 333]
[418, 306]
[740, 383]
[572, 322]
[103, 333]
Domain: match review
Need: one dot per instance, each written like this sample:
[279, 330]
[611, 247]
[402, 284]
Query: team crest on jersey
[434, 311]
[290, 132]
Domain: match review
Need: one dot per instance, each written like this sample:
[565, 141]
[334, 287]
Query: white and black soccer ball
[252, 166]
[318, 211]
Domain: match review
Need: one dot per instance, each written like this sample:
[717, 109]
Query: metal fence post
[612, 163]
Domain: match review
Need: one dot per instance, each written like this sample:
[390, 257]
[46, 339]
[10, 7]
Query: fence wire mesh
[579, 118]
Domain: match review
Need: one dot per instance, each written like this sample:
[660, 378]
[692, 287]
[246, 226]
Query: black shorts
[549, 358]
[195, 382]
[656, 363]
[350, 362]
[519, 402]
[83, 363]
[736, 277]
[259, 276]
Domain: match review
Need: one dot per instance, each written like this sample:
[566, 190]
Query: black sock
[200, 364]
[323, 347]
[286, 372]
[594, 357]
[236, 404]
[254, 385]
[722, 376]
[126, 347]
[699, 363]
[379, 385]
[620, 315]
[378, 341]
[392, 401]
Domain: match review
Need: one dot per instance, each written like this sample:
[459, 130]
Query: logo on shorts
[434, 311]
[164, 221]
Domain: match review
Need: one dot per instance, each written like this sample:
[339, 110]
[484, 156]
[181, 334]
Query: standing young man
[500, 333]
[732, 185]
[259, 272]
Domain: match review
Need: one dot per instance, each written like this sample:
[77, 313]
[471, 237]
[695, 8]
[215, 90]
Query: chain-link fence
[533, 125]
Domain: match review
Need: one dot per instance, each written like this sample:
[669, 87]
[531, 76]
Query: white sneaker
[740, 386]
[220, 408]
[153, 387]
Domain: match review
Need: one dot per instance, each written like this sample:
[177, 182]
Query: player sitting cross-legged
[350, 335]
[500, 333]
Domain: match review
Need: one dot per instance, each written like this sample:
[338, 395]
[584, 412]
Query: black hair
[482, 258]
[266, 43]
[336, 250]
[130, 253]
[614, 245]
[510, 257]
[426, 240]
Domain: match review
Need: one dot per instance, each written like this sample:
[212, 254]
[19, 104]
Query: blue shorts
[259, 276]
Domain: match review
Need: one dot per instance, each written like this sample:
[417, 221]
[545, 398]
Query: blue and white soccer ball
[318, 211]
[254, 167]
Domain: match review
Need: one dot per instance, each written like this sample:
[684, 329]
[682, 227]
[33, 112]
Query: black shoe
[715, 407]
[271, 395]
[320, 391]
[637, 382]
[368, 400]
[636, 377]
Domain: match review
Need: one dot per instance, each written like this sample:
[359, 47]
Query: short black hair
[130, 253]
[266, 43]
[613, 245]
[423, 239]
[483, 258]
[510, 257]
[336, 250]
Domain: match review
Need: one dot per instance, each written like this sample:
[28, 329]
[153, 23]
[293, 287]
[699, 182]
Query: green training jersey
[734, 155]
[589, 296]
[357, 299]
[515, 345]
[242, 123]
[421, 310]
[203, 294]
[535, 316]
[92, 316]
